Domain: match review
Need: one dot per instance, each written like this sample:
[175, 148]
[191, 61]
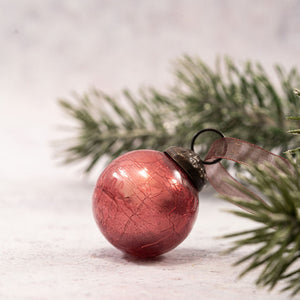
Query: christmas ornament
[146, 202]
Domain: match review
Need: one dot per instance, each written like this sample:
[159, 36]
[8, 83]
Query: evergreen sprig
[107, 127]
[295, 131]
[239, 99]
[277, 238]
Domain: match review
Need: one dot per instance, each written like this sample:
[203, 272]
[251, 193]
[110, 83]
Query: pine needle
[236, 98]
[278, 236]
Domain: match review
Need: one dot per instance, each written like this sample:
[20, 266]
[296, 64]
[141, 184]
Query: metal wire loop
[195, 137]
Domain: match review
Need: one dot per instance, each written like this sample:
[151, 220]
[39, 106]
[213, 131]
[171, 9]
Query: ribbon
[241, 152]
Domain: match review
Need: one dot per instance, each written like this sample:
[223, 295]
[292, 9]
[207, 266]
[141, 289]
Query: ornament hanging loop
[196, 136]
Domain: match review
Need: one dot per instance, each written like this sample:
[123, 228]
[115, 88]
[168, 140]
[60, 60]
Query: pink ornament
[145, 204]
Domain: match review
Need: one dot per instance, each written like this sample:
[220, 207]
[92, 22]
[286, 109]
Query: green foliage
[277, 238]
[106, 127]
[238, 99]
[295, 131]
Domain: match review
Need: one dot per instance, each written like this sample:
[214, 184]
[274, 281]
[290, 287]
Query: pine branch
[238, 99]
[294, 131]
[278, 236]
[107, 128]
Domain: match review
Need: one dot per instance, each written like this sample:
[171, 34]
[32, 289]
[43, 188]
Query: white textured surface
[50, 246]
[51, 249]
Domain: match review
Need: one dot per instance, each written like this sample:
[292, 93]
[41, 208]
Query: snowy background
[50, 246]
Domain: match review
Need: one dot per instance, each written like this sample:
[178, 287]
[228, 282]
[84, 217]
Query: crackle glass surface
[144, 203]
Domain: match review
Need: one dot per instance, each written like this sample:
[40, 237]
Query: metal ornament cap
[191, 163]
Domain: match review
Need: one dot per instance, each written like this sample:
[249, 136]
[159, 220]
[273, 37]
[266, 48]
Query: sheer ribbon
[238, 151]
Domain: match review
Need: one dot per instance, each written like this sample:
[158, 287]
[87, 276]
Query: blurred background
[50, 245]
[51, 48]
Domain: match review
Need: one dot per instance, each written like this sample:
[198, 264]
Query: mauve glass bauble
[144, 203]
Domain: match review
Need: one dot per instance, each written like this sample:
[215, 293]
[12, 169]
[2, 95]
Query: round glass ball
[144, 203]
